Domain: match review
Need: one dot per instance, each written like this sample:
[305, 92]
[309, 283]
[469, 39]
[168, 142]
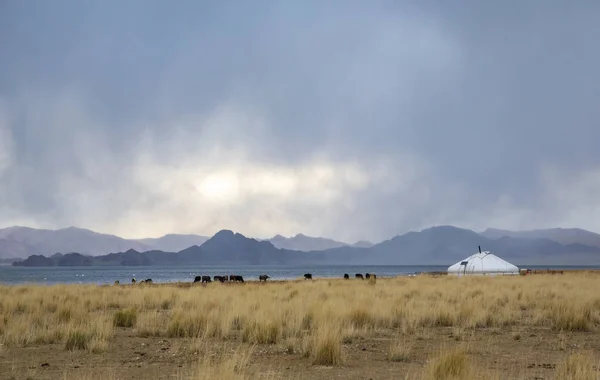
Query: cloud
[6, 153]
[352, 120]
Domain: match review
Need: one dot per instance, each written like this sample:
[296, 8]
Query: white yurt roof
[483, 263]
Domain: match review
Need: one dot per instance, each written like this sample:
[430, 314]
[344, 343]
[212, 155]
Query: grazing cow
[307, 276]
[197, 278]
[219, 278]
[263, 277]
[346, 277]
[117, 282]
[206, 279]
[236, 278]
[358, 275]
[367, 275]
[133, 280]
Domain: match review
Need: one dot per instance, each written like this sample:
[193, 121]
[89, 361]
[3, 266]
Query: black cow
[358, 275]
[133, 280]
[146, 281]
[367, 275]
[346, 277]
[197, 278]
[263, 277]
[117, 282]
[220, 278]
[236, 278]
[307, 276]
[206, 279]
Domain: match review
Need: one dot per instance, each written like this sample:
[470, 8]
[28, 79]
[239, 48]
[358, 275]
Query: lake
[161, 274]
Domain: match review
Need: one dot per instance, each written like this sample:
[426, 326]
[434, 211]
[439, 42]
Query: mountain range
[301, 242]
[440, 245]
[21, 242]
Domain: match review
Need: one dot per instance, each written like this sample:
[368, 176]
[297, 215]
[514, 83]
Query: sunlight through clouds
[351, 120]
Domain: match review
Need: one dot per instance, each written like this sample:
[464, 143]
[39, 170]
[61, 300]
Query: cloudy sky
[347, 119]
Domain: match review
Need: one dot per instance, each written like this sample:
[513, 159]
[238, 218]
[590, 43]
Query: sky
[346, 119]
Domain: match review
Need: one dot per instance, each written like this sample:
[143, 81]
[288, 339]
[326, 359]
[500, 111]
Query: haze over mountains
[436, 245]
[21, 242]
[560, 235]
[301, 242]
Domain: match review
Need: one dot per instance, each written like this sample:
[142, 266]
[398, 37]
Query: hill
[363, 244]
[559, 235]
[301, 242]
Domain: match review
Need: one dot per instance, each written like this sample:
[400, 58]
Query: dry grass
[399, 350]
[313, 318]
[125, 318]
[327, 346]
[228, 367]
[450, 365]
[579, 366]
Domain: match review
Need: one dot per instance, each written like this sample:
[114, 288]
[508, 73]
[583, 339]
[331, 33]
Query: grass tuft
[125, 318]
[78, 340]
[451, 365]
[399, 351]
[577, 366]
[328, 346]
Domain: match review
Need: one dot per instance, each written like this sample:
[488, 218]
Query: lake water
[108, 275]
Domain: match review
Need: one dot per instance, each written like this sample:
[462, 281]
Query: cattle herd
[262, 277]
[232, 278]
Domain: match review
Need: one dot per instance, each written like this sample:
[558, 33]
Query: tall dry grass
[579, 366]
[315, 318]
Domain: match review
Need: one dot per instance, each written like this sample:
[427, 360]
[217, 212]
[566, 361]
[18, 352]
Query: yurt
[483, 263]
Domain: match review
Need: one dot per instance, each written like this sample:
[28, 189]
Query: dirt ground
[389, 329]
[498, 353]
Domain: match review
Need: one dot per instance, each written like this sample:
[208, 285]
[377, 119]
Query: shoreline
[190, 283]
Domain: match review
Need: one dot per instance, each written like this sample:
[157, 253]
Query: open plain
[544, 326]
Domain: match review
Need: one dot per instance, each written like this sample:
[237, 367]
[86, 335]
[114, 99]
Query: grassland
[522, 327]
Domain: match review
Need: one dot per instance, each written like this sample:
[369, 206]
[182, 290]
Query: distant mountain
[448, 244]
[301, 242]
[173, 242]
[227, 247]
[440, 245]
[435, 245]
[560, 235]
[14, 249]
[21, 242]
[445, 245]
[24, 241]
[362, 244]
